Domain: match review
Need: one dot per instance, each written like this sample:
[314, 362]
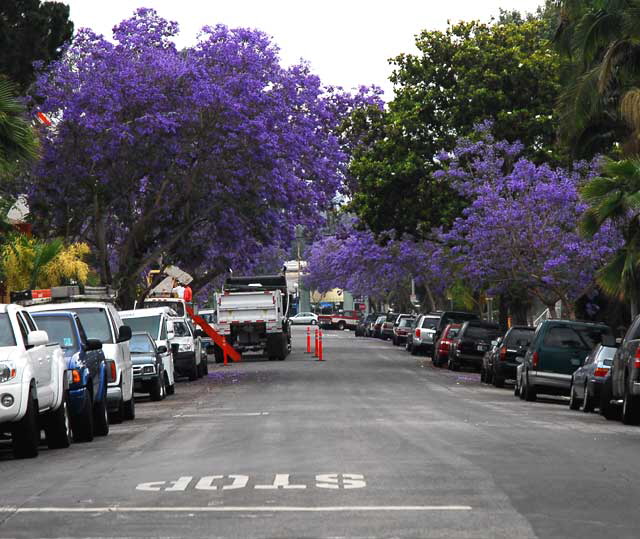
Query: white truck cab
[33, 384]
[156, 322]
[187, 349]
[102, 321]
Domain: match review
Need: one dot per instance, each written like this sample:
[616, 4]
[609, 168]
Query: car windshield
[452, 332]
[7, 338]
[95, 323]
[405, 322]
[144, 324]
[177, 306]
[141, 344]
[60, 329]
[181, 329]
[479, 332]
[430, 322]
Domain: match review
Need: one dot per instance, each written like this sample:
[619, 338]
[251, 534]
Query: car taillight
[417, 333]
[601, 372]
[503, 353]
[113, 374]
[535, 359]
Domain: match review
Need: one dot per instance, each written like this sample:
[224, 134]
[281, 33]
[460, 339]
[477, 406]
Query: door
[123, 352]
[41, 359]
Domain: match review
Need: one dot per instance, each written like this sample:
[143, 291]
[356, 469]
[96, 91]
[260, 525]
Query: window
[145, 324]
[177, 306]
[430, 322]
[7, 338]
[141, 344]
[60, 329]
[23, 330]
[95, 323]
[479, 332]
[181, 329]
[519, 337]
[563, 337]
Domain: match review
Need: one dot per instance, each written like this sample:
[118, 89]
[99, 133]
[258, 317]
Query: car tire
[588, 404]
[483, 378]
[314, 322]
[157, 393]
[58, 427]
[117, 416]
[630, 408]
[415, 351]
[574, 403]
[205, 369]
[193, 371]
[26, 432]
[83, 429]
[530, 393]
[130, 409]
[521, 389]
[497, 381]
[516, 389]
[341, 325]
[170, 388]
[609, 411]
[100, 416]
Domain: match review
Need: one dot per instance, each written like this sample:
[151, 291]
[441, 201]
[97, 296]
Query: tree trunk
[100, 233]
[432, 301]
[503, 312]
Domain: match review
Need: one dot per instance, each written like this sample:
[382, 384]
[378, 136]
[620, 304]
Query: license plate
[482, 348]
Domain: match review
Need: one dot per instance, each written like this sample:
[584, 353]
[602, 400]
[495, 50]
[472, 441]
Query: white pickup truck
[33, 384]
[252, 314]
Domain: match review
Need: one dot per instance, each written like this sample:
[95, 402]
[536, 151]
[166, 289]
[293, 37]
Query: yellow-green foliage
[29, 263]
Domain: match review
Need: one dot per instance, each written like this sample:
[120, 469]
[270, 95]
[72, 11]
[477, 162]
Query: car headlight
[185, 348]
[148, 369]
[7, 371]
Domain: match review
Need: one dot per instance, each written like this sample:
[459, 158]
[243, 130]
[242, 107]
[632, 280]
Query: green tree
[508, 73]
[30, 31]
[600, 106]
[615, 197]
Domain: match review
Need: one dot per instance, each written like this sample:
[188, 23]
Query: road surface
[372, 442]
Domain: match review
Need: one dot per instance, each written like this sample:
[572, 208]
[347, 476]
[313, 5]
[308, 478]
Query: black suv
[471, 343]
[513, 345]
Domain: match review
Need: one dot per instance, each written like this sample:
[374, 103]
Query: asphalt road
[372, 442]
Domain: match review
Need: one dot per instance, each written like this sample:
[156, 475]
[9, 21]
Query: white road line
[240, 509]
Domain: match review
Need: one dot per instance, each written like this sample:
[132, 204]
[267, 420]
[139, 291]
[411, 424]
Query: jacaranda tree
[204, 156]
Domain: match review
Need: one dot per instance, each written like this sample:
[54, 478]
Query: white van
[101, 321]
[156, 323]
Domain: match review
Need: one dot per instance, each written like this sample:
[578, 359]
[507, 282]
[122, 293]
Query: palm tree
[599, 108]
[615, 197]
[18, 141]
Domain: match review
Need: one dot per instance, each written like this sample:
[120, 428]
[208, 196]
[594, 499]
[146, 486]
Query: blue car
[87, 371]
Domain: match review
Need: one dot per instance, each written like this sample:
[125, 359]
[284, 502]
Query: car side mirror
[37, 338]
[124, 333]
[162, 349]
[94, 344]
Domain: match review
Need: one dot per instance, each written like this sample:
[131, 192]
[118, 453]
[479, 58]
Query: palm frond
[630, 108]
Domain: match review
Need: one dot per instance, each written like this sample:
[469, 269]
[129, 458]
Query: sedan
[304, 319]
[586, 382]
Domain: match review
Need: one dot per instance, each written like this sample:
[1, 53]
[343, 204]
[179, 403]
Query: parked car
[586, 382]
[157, 322]
[101, 321]
[401, 330]
[451, 317]
[502, 364]
[87, 366]
[408, 344]
[209, 316]
[621, 390]
[377, 327]
[471, 343]
[559, 347]
[33, 385]
[364, 323]
[442, 346]
[486, 369]
[386, 331]
[424, 334]
[341, 320]
[148, 366]
[185, 347]
[305, 318]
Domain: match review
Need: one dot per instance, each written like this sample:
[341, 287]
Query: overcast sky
[347, 42]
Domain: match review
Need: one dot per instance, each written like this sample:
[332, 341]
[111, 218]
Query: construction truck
[252, 314]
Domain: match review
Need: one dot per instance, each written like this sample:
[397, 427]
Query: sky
[346, 42]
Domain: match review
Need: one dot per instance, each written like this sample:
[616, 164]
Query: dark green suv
[558, 348]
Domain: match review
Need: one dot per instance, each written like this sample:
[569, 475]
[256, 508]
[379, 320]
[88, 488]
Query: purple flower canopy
[207, 155]
[518, 232]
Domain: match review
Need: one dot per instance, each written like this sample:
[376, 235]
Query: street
[372, 442]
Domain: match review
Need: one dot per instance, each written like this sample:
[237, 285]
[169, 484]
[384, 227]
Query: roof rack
[63, 294]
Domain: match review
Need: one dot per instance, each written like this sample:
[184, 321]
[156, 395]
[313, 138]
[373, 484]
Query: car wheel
[193, 371]
[26, 433]
[530, 393]
[587, 402]
[630, 415]
[205, 368]
[314, 322]
[341, 325]
[58, 427]
[83, 423]
[516, 389]
[130, 409]
[157, 392]
[415, 351]
[100, 416]
[483, 378]
[574, 404]
[608, 410]
[497, 381]
[117, 415]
